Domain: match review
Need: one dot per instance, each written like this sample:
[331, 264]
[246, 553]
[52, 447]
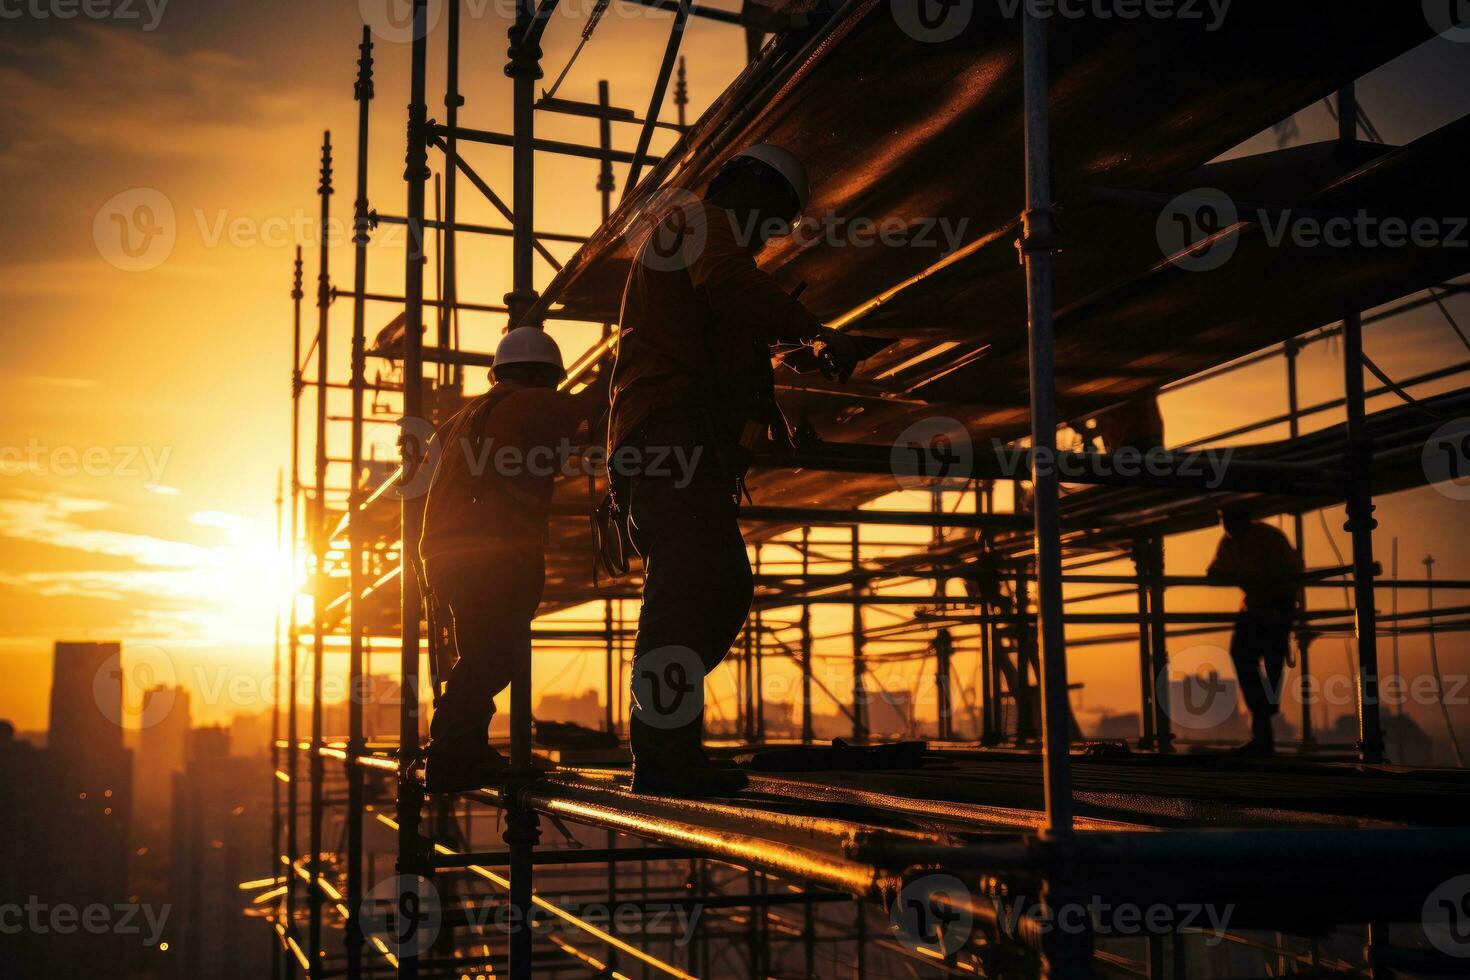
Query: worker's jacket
[495, 464]
[698, 319]
[1266, 566]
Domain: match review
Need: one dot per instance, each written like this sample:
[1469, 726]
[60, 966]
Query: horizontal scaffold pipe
[812, 516]
[542, 145]
[1195, 470]
[399, 301]
[439, 355]
[393, 219]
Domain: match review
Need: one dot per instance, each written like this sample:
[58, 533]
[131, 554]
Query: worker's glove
[836, 353]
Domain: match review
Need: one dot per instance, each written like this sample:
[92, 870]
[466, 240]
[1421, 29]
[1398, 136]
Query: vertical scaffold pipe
[807, 736]
[353, 938]
[1062, 955]
[1292, 349]
[1145, 649]
[1360, 524]
[521, 823]
[293, 628]
[275, 851]
[410, 794]
[1159, 640]
[448, 314]
[859, 641]
[1037, 246]
[1360, 520]
[320, 533]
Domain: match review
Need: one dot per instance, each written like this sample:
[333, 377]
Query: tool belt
[612, 538]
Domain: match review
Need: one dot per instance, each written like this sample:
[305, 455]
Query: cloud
[179, 593]
[50, 521]
[94, 89]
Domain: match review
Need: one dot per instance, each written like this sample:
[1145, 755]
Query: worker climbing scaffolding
[483, 547]
[693, 374]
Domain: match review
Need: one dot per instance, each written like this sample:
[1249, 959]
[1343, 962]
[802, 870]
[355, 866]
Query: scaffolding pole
[320, 543]
[410, 800]
[1360, 522]
[293, 629]
[357, 542]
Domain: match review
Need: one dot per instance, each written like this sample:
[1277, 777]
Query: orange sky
[146, 412]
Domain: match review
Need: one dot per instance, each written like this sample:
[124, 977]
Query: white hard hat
[785, 163]
[528, 345]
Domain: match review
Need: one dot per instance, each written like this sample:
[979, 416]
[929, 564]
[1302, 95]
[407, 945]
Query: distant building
[86, 699]
[221, 837]
[64, 817]
[583, 709]
[160, 756]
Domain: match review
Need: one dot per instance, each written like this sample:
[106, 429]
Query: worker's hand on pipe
[836, 353]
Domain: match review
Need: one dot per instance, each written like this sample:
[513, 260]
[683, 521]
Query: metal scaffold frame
[831, 860]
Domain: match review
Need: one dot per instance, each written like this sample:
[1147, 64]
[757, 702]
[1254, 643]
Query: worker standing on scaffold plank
[483, 549]
[693, 382]
[1263, 563]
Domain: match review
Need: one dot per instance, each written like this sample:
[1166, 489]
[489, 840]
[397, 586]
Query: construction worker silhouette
[484, 540]
[1263, 563]
[693, 376]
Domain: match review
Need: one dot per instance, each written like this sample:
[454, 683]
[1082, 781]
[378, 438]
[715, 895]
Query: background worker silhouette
[1263, 563]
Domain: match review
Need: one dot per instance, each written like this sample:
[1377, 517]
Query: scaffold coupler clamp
[522, 824]
[524, 55]
[421, 863]
[1038, 234]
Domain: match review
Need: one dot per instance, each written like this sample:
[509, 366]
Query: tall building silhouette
[68, 812]
[161, 744]
[220, 837]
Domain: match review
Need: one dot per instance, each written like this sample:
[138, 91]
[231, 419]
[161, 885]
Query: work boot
[689, 782]
[672, 762]
[459, 768]
[1262, 743]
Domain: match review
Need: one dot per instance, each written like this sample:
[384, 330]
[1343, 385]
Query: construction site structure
[1056, 140]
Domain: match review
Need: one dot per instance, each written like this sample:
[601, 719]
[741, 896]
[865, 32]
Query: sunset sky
[146, 409]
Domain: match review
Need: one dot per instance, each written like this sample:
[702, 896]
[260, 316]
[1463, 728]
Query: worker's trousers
[486, 610]
[1262, 638]
[697, 584]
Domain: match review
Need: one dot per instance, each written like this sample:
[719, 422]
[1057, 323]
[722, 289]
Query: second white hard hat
[785, 163]
[528, 345]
